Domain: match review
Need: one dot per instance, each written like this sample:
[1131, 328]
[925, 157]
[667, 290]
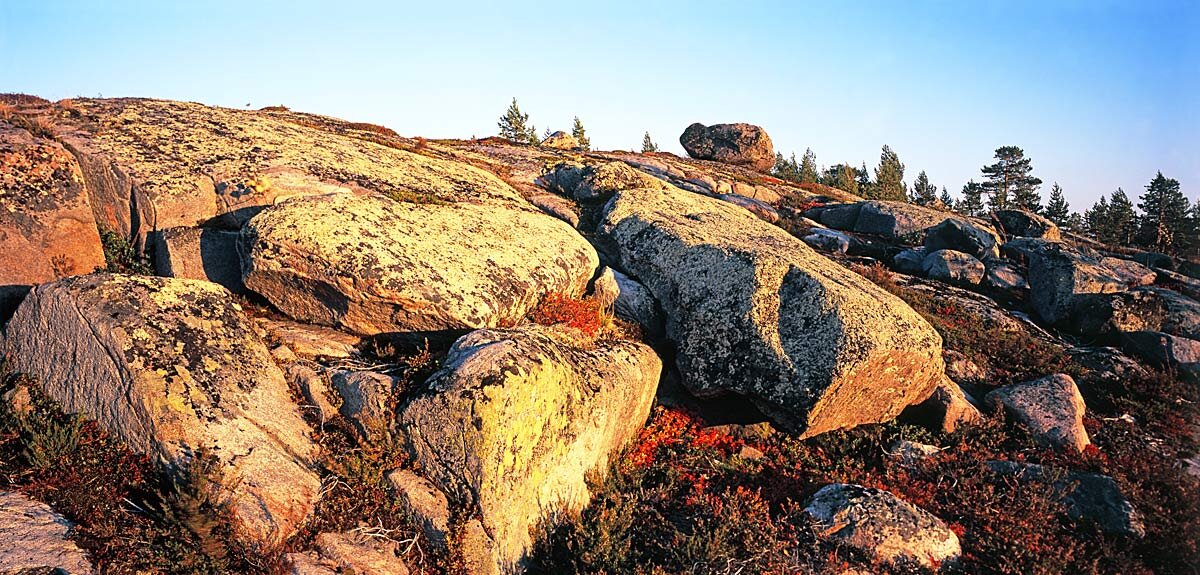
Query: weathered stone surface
[1104, 317]
[840, 217]
[600, 182]
[947, 409]
[1132, 273]
[953, 267]
[34, 538]
[962, 236]
[47, 228]
[759, 208]
[738, 144]
[1005, 276]
[1051, 408]
[1023, 224]
[755, 311]
[311, 341]
[911, 453]
[828, 240]
[1163, 349]
[882, 525]
[314, 385]
[172, 367]
[199, 253]
[560, 140]
[899, 220]
[369, 264]
[1105, 365]
[963, 370]
[478, 550]
[1057, 274]
[348, 553]
[516, 418]
[1088, 497]
[425, 502]
[366, 402]
[557, 206]
[635, 303]
[910, 261]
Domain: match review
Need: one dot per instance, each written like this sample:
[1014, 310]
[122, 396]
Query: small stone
[35, 539]
[910, 453]
[1051, 408]
[366, 402]
[426, 503]
[953, 267]
[360, 555]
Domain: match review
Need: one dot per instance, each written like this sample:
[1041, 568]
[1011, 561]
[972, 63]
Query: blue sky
[1099, 94]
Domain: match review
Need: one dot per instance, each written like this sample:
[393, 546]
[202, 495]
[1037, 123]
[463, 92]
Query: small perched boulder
[560, 140]
[1088, 497]
[1051, 408]
[947, 409]
[174, 368]
[882, 525]
[1023, 224]
[962, 236]
[953, 267]
[35, 539]
[517, 419]
[738, 144]
[828, 240]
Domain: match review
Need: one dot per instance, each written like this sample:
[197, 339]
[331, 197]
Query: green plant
[121, 257]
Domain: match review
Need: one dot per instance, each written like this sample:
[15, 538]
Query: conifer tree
[1166, 216]
[945, 198]
[808, 167]
[889, 177]
[580, 135]
[648, 145]
[1057, 208]
[923, 192]
[1122, 224]
[1075, 223]
[971, 203]
[1010, 183]
[515, 126]
[864, 181]
[786, 169]
[842, 177]
[1097, 221]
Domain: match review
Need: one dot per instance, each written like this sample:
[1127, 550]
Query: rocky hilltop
[328, 335]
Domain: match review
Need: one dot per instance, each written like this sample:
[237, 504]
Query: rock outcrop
[1023, 224]
[1051, 408]
[756, 312]
[962, 236]
[738, 144]
[172, 367]
[560, 140]
[516, 419]
[370, 264]
[199, 253]
[35, 539]
[883, 526]
[953, 267]
[1058, 274]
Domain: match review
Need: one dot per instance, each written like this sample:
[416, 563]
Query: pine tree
[864, 181]
[808, 167]
[842, 177]
[1122, 224]
[515, 126]
[923, 192]
[889, 177]
[971, 203]
[786, 169]
[1097, 221]
[648, 145]
[1165, 220]
[1057, 208]
[580, 135]
[1009, 182]
[1075, 223]
[945, 198]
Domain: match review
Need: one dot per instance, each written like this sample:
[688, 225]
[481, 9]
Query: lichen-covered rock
[199, 253]
[962, 236]
[172, 367]
[635, 303]
[1004, 276]
[1023, 224]
[425, 502]
[560, 140]
[1051, 408]
[349, 554]
[1130, 272]
[311, 341]
[897, 220]
[370, 264]
[882, 525]
[910, 453]
[755, 311]
[828, 240]
[1057, 274]
[516, 419]
[953, 267]
[738, 144]
[600, 182]
[1163, 349]
[947, 409]
[366, 402]
[35, 539]
[557, 206]
[910, 261]
[47, 227]
[1088, 497]
[759, 208]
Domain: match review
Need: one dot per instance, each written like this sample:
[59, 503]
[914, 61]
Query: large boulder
[47, 227]
[1164, 350]
[757, 312]
[1106, 316]
[1023, 224]
[199, 253]
[897, 220]
[1058, 274]
[962, 236]
[1130, 272]
[560, 140]
[517, 419]
[370, 264]
[172, 367]
[738, 144]
[35, 539]
[953, 267]
[1051, 408]
[882, 525]
[1004, 276]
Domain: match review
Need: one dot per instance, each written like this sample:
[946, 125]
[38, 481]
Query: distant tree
[786, 169]
[1122, 224]
[1010, 183]
[1166, 216]
[515, 126]
[546, 134]
[808, 167]
[648, 145]
[1098, 222]
[1057, 208]
[864, 180]
[889, 177]
[580, 135]
[1075, 223]
[945, 198]
[923, 192]
[842, 177]
[971, 203]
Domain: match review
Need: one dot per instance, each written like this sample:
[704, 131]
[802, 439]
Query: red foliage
[582, 314]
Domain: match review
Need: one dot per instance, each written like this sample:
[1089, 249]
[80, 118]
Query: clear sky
[1100, 94]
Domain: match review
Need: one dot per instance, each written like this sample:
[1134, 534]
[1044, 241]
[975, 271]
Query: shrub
[582, 314]
[121, 257]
